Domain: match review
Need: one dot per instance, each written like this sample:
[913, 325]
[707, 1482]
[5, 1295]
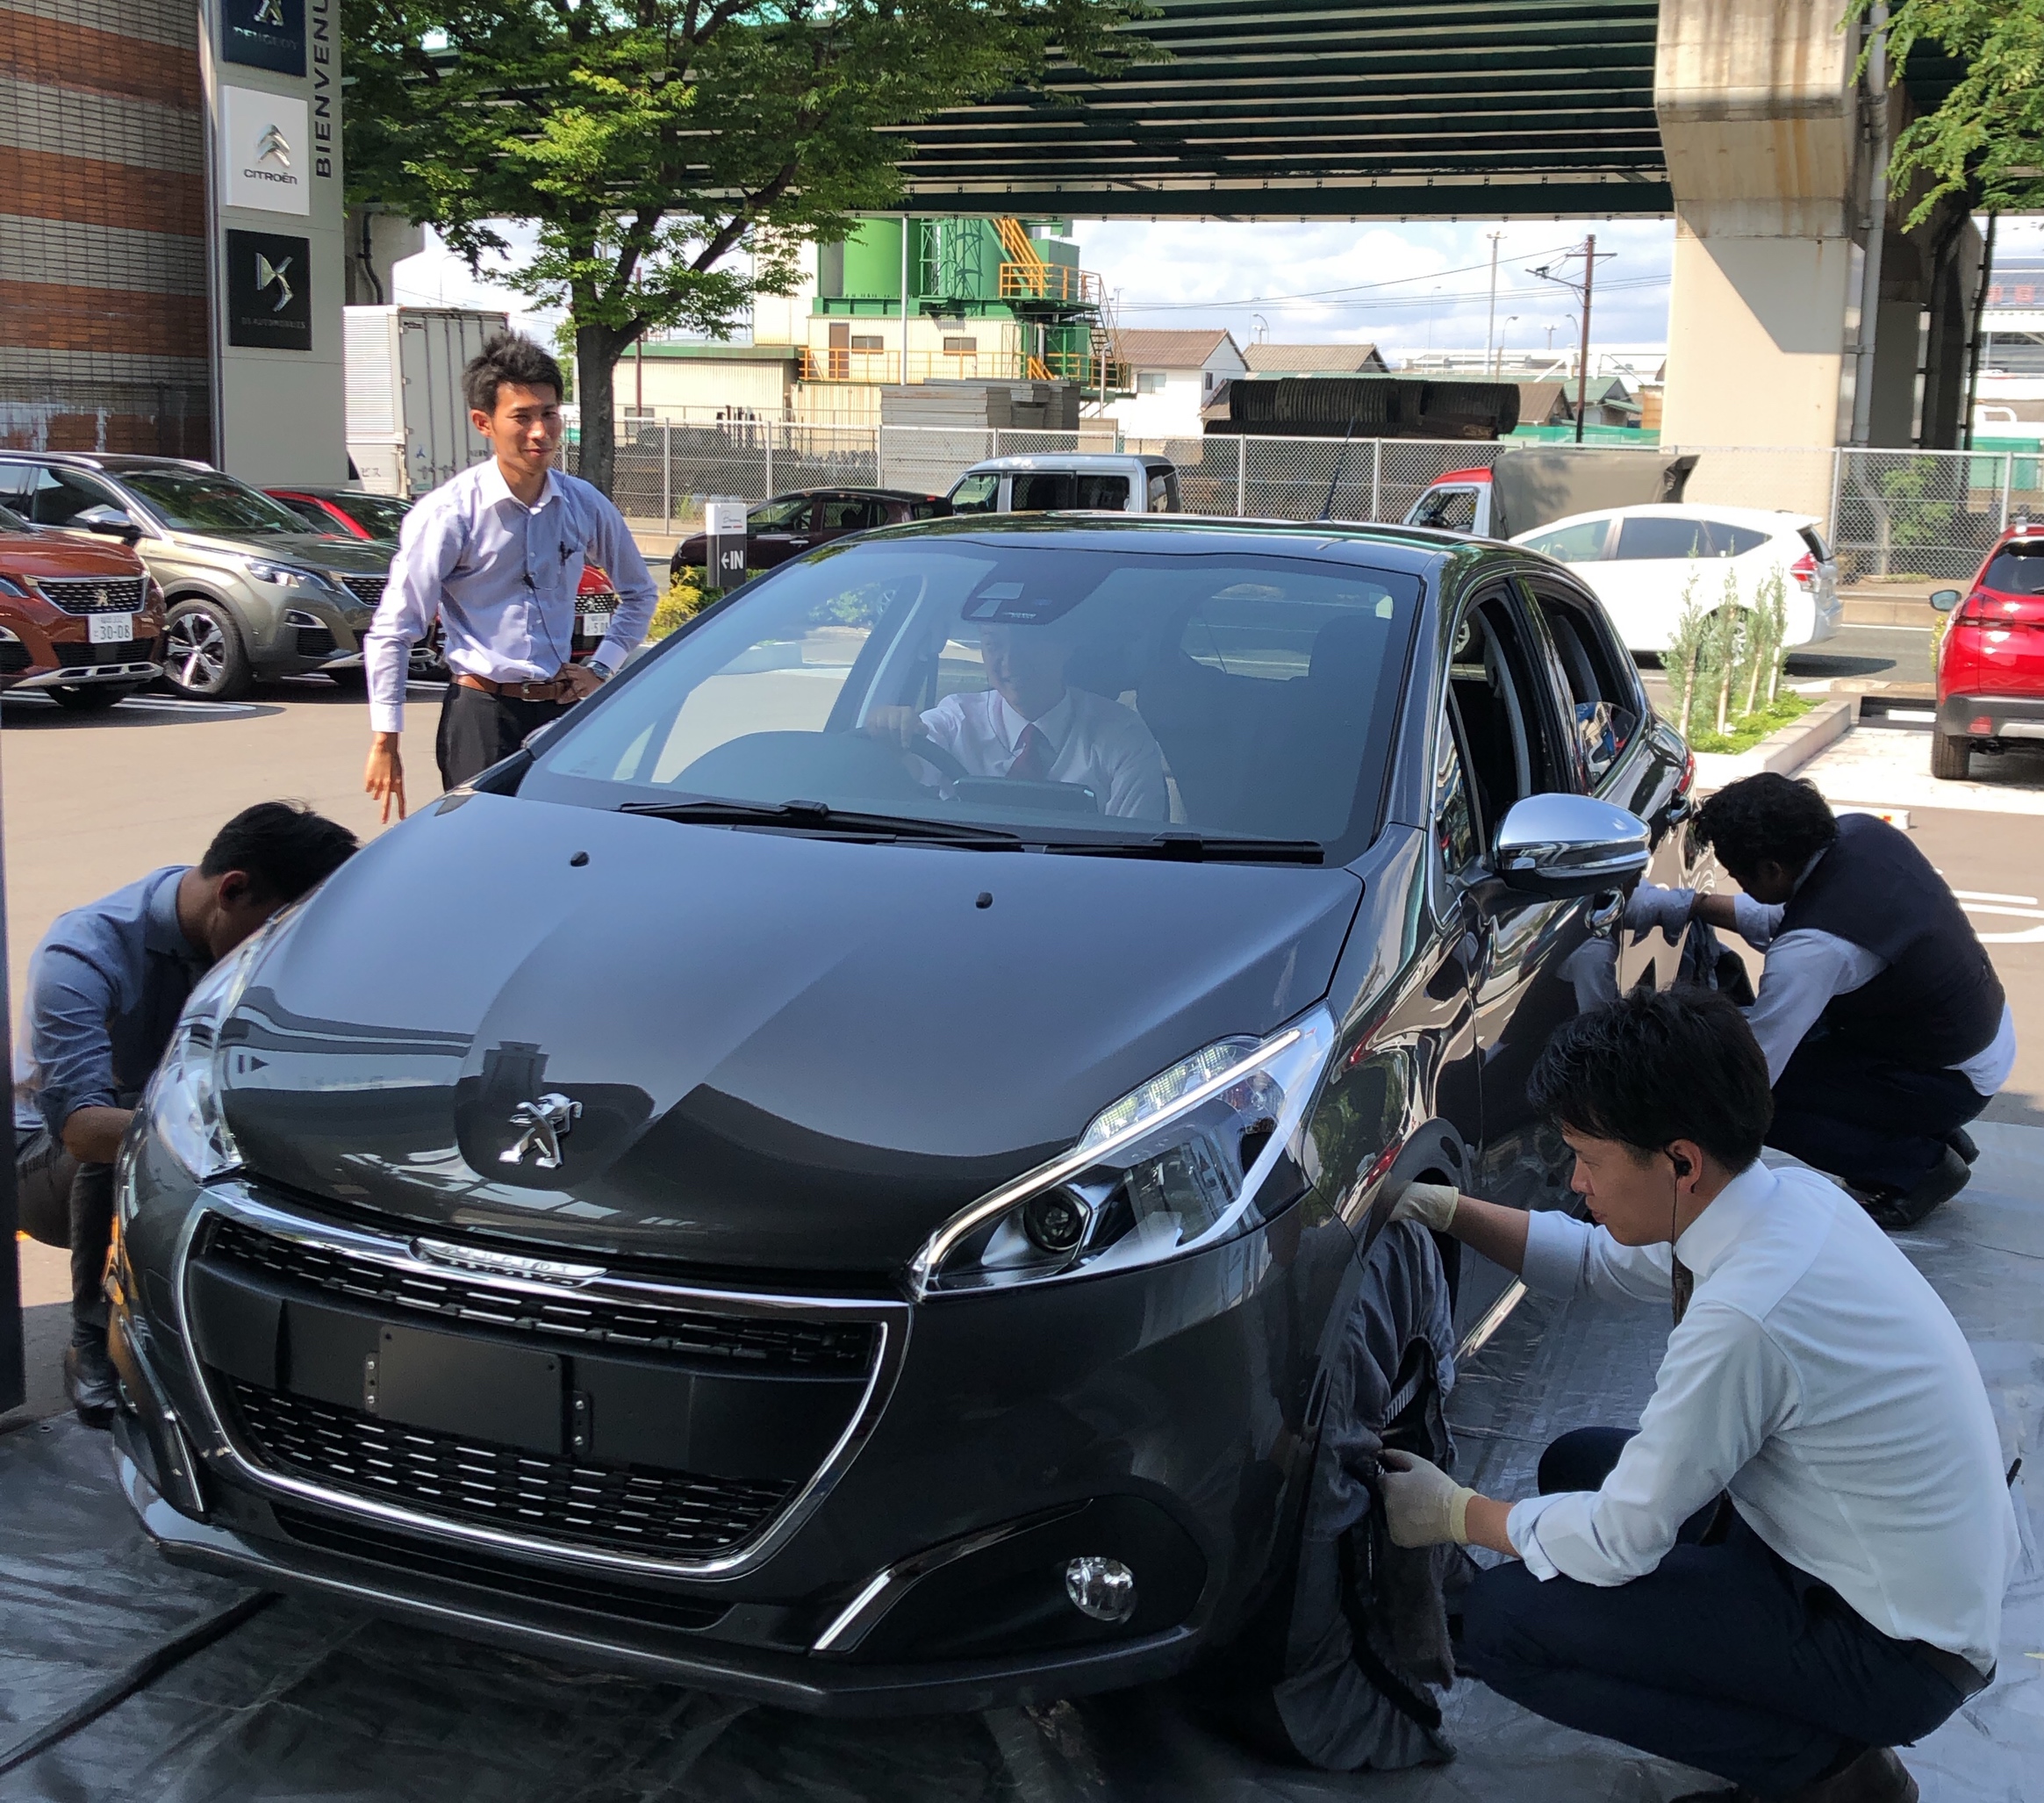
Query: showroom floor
[122, 1679]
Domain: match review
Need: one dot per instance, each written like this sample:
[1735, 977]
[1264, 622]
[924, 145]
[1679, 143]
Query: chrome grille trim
[239, 1200]
[80, 594]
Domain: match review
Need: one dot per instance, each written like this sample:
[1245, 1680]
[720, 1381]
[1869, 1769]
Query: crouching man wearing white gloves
[1797, 1561]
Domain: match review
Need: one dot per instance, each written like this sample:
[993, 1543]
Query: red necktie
[1032, 755]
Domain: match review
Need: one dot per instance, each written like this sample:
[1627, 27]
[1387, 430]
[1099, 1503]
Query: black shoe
[1893, 1209]
[1962, 1143]
[89, 1381]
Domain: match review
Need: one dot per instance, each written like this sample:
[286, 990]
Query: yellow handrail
[1019, 246]
[1053, 281]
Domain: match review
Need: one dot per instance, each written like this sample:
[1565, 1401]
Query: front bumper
[2003, 717]
[1156, 1416]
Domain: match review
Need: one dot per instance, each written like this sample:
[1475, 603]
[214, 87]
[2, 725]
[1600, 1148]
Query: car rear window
[1653, 537]
[1813, 540]
[2017, 570]
[1225, 693]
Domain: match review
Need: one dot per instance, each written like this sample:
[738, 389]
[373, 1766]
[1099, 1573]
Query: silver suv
[249, 591]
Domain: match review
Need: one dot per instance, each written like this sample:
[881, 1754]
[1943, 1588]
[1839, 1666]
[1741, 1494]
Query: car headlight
[182, 1103]
[285, 575]
[1202, 1152]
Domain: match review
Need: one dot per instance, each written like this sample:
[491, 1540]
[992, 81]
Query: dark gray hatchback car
[899, 1268]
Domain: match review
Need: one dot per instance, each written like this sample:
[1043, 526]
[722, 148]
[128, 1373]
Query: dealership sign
[264, 141]
[269, 291]
[265, 34]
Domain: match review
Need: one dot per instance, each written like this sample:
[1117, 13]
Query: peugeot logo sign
[544, 1123]
[270, 12]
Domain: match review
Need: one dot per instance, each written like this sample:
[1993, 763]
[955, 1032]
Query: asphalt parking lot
[302, 1698]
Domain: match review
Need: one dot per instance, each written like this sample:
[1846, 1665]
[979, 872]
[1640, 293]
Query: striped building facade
[104, 322]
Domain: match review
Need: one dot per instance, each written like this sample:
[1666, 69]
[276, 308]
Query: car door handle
[1604, 914]
[1679, 809]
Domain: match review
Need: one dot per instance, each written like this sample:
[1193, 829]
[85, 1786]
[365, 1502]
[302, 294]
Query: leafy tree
[659, 146]
[1986, 141]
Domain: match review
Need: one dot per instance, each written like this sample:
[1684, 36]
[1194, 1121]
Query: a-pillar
[1760, 115]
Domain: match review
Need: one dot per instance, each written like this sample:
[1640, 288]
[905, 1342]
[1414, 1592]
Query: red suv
[1990, 667]
[81, 622]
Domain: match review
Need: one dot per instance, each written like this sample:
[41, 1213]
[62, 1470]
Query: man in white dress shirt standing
[1798, 1560]
[497, 554]
[1028, 724]
[1883, 1023]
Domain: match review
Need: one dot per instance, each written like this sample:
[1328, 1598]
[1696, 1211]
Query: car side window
[1603, 697]
[1098, 494]
[17, 484]
[1652, 538]
[976, 494]
[1504, 726]
[779, 516]
[1727, 541]
[845, 513]
[1582, 543]
[1041, 492]
[60, 496]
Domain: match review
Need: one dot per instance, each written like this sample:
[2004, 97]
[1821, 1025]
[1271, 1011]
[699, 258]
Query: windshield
[191, 500]
[1041, 684]
[380, 515]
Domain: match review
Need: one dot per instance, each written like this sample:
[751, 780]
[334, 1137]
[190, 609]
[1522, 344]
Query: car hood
[50, 554]
[354, 556]
[791, 1054]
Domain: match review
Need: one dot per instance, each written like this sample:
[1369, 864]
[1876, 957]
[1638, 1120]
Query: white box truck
[407, 424]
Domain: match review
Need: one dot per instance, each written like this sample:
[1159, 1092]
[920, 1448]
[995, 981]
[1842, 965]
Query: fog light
[1105, 1589]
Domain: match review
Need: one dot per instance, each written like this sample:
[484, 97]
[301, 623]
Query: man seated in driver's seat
[1027, 723]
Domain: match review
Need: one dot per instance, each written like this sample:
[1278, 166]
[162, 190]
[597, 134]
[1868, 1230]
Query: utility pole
[1590, 276]
[1490, 321]
[907, 226]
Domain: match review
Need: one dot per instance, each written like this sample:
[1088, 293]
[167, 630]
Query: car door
[1620, 753]
[1539, 963]
[835, 515]
[773, 537]
[1645, 574]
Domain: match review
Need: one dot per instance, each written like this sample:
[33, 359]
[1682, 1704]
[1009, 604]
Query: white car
[1639, 560]
[1063, 482]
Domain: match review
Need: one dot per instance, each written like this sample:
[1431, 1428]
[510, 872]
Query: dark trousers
[1724, 1656]
[478, 729]
[58, 1195]
[1876, 1122]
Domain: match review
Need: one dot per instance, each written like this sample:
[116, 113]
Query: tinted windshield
[1035, 684]
[380, 515]
[191, 500]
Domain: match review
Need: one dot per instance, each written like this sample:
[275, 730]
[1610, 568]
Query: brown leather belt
[555, 688]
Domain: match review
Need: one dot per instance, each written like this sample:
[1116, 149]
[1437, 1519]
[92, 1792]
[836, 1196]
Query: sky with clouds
[1406, 287]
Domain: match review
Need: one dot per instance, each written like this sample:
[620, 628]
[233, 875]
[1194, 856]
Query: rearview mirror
[112, 521]
[1944, 599]
[1561, 845]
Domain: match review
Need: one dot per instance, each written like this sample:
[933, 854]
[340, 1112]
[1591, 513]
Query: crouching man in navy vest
[1882, 1021]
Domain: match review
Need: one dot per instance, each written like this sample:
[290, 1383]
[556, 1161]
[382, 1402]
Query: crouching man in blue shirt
[1797, 1560]
[105, 987]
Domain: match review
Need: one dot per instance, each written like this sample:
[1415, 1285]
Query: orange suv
[82, 622]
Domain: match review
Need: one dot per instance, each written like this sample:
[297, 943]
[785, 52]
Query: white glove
[1424, 1505]
[1431, 1204]
[1652, 906]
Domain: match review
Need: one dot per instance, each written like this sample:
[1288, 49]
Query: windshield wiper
[820, 817]
[1200, 848]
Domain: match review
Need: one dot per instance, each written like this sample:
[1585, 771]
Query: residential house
[1175, 374]
[1315, 360]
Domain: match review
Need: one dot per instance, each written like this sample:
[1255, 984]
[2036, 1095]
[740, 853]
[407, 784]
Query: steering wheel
[933, 754]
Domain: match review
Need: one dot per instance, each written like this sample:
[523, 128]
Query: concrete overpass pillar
[1760, 115]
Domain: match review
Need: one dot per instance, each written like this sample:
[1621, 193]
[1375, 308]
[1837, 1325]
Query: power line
[1630, 283]
[1352, 287]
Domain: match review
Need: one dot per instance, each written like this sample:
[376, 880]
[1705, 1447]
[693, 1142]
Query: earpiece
[1680, 1164]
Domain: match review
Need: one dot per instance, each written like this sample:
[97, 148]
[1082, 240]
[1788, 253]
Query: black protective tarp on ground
[306, 1702]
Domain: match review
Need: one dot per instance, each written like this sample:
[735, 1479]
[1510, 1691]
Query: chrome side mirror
[114, 522]
[1944, 599]
[1563, 845]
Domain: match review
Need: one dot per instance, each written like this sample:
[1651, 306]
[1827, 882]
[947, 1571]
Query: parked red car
[81, 621]
[353, 513]
[1990, 667]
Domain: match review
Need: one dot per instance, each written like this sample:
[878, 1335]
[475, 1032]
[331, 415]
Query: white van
[1066, 482]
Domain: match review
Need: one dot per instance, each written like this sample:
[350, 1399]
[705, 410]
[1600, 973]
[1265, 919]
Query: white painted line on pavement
[2029, 936]
[1994, 895]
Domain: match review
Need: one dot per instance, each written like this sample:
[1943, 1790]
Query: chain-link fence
[1893, 513]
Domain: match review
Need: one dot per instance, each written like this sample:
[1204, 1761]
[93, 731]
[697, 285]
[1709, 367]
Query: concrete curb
[1785, 750]
[1863, 609]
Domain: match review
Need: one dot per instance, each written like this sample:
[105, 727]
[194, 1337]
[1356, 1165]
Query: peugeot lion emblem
[100, 598]
[270, 274]
[273, 143]
[545, 1124]
[269, 12]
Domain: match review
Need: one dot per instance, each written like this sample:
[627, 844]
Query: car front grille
[85, 594]
[368, 590]
[664, 1514]
[764, 1344]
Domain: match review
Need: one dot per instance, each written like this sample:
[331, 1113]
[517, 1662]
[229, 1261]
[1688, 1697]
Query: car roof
[328, 491]
[1762, 519]
[878, 494]
[113, 461]
[1083, 463]
[1411, 548]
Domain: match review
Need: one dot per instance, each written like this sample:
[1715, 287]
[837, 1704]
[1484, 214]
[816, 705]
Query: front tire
[204, 658]
[1951, 755]
[91, 697]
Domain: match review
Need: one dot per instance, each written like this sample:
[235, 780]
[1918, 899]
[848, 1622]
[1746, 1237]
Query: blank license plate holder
[470, 1388]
